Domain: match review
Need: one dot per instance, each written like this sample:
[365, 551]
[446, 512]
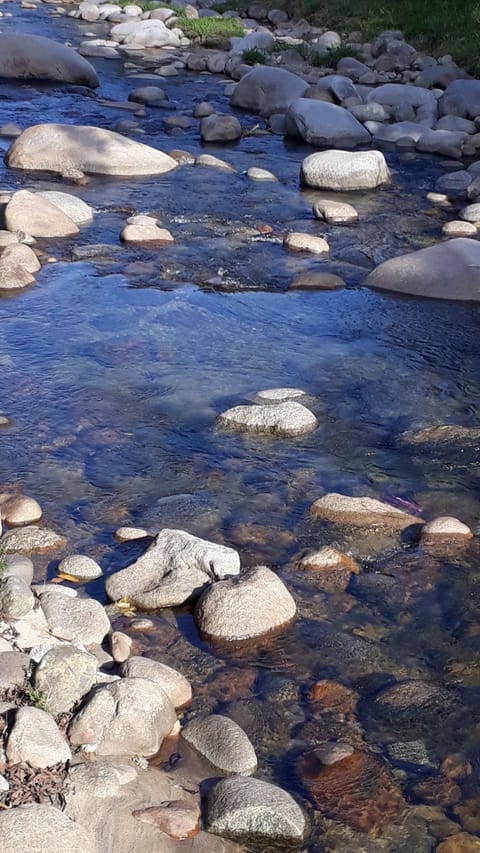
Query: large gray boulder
[35, 738]
[461, 98]
[249, 606]
[239, 806]
[62, 148]
[324, 125]
[223, 743]
[345, 170]
[449, 270]
[268, 90]
[24, 56]
[127, 717]
[398, 94]
[36, 829]
[174, 568]
[64, 675]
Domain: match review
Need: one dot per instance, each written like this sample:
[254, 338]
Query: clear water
[114, 369]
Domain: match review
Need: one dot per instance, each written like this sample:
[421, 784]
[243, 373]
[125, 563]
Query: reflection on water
[113, 371]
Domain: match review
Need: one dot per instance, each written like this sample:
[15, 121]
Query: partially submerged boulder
[324, 125]
[361, 512]
[449, 270]
[287, 418]
[25, 57]
[62, 148]
[345, 170]
[37, 216]
[268, 90]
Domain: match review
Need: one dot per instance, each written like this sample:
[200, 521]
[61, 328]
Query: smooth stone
[18, 265]
[244, 807]
[342, 170]
[65, 674]
[121, 646]
[334, 212]
[397, 94]
[316, 281]
[457, 228]
[249, 606]
[14, 668]
[279, 395]
[175, 567]
[37, 216]
[398, 131]
[368, 112]
[81, 620]
[333, 569]
[297, 241]
[179, 819]
[81, 567]
[10, 130]
[445, 528]
[203, 109]
[454, 185]
[223, 743]
[470, 213]
[16, 565]
[129, 534]
[361, 512]
[175, 685]
[448, 270]
[61, 147]
[461, 98]
[282, 419]
[35, 828]
[324, 125]
[19, 509]
[16, 598]
[35, 738]
[128, 717]
[220, 128]
[146, 234]
[267, 90]
[76, 209]
[141, 34]
[256, 174]
[32, 539]
[149, 95]
[456, 123]
[214, 162]
[25, 56]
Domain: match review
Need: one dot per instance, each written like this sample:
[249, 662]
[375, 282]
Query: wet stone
[27, 539]
[80, 566]
[412, 752]
[314, 280]
[437, 791]
[297, 241]
[330, 568]
[334, 697]
[461, 843]
[223, 743]
[283, 419]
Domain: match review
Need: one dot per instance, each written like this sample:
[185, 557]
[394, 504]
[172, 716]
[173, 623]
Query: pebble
[334, 212]
[257, 174]
[298, 242]
[128, 534]
[457, 228]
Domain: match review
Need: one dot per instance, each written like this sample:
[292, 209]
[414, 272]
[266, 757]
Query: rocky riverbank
[356, 743]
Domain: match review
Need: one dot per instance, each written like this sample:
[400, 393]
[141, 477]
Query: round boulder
[249, 606]
[268, 90]
[345, 170]
[175, 685]
[80, 567]
[35, 738]
[239, 807]
[220, 128]
[65, 674]
[283, 419]
[19, 509]
[223, 743]
[324, 125]
[25, 56]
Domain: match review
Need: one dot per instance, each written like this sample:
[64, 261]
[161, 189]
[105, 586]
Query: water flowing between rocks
[114, 368]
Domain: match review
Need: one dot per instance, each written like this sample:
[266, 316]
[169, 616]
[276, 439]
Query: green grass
[145, 5]
[35, 697]
[254, 57]
[329, 59]
[210, 32]
[434, 26]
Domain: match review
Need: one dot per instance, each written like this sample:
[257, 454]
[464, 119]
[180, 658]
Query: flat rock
[249, 606]
[334, 212]
[324, 125]
[223, 743]
[128, 717]
[282, 419]
[75, 208]
[18, 264]
[146, 233]
[64, 675]
[25, 56]
[79, 566]
[174, 569]
[14, 668]
[361, 512]
[297, 241]
[397, 94]
[27, 539]
[35, 738]
[175, 685]
[179, 819]
[239, 807]
[314, 280]
[267, 90]
[61, 148]
[81, 620]
[16, 598]
[256, 174]
[449, 270]
[36, 828]
[129, 534]
[279, 395]
[345, 170]
[213, 162]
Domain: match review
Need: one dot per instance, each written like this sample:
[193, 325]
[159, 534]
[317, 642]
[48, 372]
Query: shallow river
[114, 368]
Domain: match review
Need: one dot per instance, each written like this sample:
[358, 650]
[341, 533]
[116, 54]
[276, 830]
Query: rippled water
[114, 369]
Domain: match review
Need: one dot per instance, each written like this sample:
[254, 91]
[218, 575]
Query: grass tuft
[35, 697]
[254, 57]
[210, 32]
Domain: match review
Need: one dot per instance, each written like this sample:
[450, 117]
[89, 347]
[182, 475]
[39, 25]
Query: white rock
[284, 419]
[446, 527]
[76, 209]
[80, 566]
[80, 620]
[150, 33]
[244, 807]
[297, 241]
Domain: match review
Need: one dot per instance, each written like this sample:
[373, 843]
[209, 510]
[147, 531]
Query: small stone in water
[457, 228]
[128, 534]
[279, 395]
[299, 242]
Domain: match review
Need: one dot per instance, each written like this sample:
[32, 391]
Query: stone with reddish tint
[437, 791]
[359, 791]
[180, 819]
[332, 568]
[333, 697]
[445, 529]
[361, 512]
[456, 766]
[461, 843]
[468, 813]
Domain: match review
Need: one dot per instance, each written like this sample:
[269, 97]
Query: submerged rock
[284, 419]
[61, 147]
[174, 568]
[249, 606]
[445, 529]
[128, 717]
[314, 280]
[223, 743]
[239, 807]
[332, 568]
[449, 270]
[361, 512]
[25, 56]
